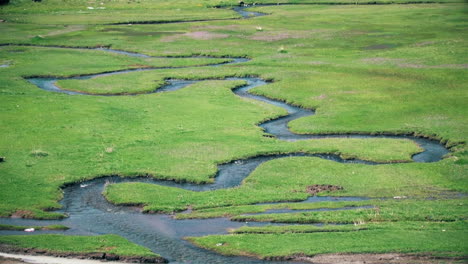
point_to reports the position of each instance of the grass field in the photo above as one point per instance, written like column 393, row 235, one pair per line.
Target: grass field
column 391, row 68
column 110, row 244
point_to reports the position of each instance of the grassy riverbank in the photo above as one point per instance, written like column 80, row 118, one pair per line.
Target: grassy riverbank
column 393, row 68
column 21, row 228
column 96, row 247
column 401, row 237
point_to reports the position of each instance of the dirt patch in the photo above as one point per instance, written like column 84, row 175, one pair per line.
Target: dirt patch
column 316, row 188
column 403, row 63
column 133, row 33
column 380, row 60
column 352, row 33
column 67, row 29
column 380, row 46
column 320, row 97
column 22, row 214
column 317, row 63
column 4, row 260
column 226, row 27
column 94, row 255
column 278, row 35
column 138, row 66
column 441, row 66
column 424, row 43
column 388, row 258
column 198, row 35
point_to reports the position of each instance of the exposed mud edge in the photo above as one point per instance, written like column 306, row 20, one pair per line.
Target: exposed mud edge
column 316, row 188
column 146, row 67
column 169, row 21
column 33, row 214
column 450, row 145
column 107, row 94
column 370, row 2
column 378, row 258
column 298, row 232
column 346, row 258
column 434, row 137
column 152, row 91
column 109, row 46
column 55, row 46
column 93, row 255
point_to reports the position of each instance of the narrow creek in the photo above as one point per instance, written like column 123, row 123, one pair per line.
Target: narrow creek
column 91, row 214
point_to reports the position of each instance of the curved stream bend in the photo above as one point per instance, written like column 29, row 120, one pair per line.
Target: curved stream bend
column 90, row 214
column 432, row 149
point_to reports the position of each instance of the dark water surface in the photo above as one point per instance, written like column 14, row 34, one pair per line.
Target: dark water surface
column 90, row 214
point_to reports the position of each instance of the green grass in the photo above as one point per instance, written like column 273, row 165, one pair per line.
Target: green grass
column 364, row 68
column 286, row 179
column 105, row 12
column 21, row 228
column 402, row 238
column 271, row 229
column 408, row 210
column 78, row 244
column 230, row 211
column 160, row 134
column 384, row 210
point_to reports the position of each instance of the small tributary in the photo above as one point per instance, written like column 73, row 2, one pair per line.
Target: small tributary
column 91, row 214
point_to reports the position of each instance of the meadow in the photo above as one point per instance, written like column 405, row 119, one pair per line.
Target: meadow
column 365, row 67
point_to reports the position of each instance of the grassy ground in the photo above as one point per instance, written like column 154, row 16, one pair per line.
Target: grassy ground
column 365, row 68
column 381, row 211
column 160, row 134
column 21, row 228
column 112, row 244
column 272, row 181
column 402, row 237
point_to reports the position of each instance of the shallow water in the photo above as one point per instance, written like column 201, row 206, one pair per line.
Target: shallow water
column 90, row 214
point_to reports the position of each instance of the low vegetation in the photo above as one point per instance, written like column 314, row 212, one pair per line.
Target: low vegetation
column 21, row 228
column 401, row 237
column 391, row 68
column 111, row 244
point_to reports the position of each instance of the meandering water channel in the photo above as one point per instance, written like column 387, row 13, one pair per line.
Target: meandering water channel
column 90, row 213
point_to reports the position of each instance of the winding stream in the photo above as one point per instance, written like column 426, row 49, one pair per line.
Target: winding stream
column 90, row 214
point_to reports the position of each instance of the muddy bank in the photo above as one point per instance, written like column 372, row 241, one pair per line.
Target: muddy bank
column 9, row 260
column 92, row 255
column 6, row 258
column 384, row 258
column 316, row 188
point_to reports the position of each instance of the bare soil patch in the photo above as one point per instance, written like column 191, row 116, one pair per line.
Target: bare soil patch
column 316, row 188
column 4, row 260
column 198, row 35
column 403, row 63
column 387, row 258
column 22, row 214
column 380, row 46
column 424, row 43
column 225, row 27
column 67, row 29
column 279, row 35
column 94, row 255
